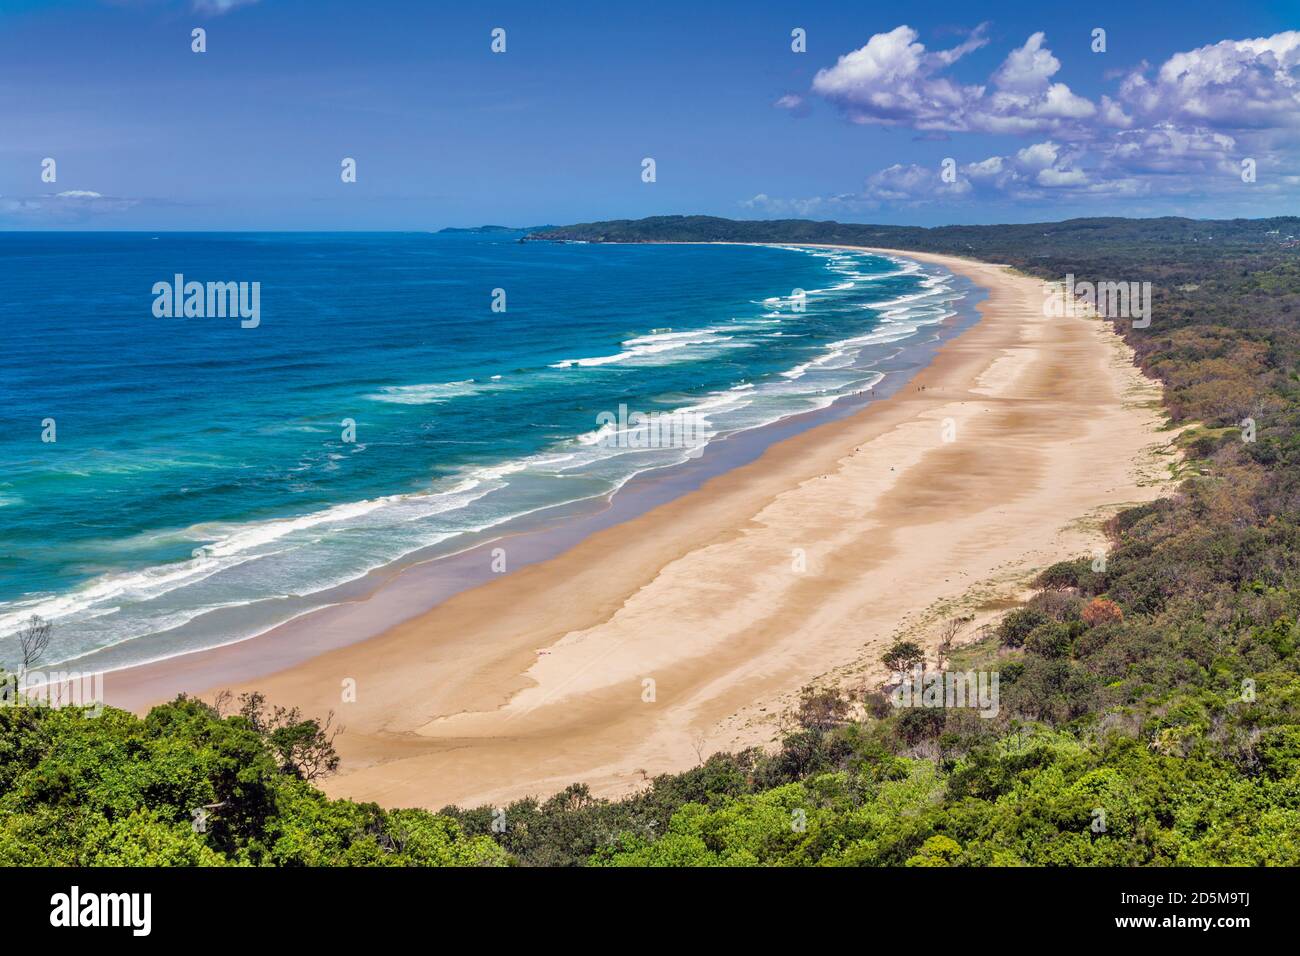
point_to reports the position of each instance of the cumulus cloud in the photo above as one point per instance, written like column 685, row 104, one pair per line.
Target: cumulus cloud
column 1166, row 148
column 1027, row 69
column 1113, row 115
column 1232, row 84
column 912, row 182
column 1183, row 126
column 895, row 81
column 1038, row 156
column 986, row 168
column 1025, row 174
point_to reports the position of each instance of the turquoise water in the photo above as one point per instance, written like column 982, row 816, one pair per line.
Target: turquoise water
column 200, row 465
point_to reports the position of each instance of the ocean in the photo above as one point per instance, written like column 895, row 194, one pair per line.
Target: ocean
column 175, row 482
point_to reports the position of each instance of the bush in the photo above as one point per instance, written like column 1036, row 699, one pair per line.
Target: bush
column 1050, row 640
column 1063, row 575
column 1057, row 606
column 1015, row 627
column 1101, row 611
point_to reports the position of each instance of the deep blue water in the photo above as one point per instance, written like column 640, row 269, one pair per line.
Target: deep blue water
column 200, row 465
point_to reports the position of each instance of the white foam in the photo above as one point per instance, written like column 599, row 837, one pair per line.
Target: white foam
column 434, row 393
column 696, row 343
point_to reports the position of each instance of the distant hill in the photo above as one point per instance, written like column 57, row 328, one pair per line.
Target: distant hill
column 1005, row 240
column 490, row 229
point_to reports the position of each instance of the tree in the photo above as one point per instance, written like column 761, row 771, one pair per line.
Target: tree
column 821, row 709
column 303, row 747
column 903, row 656
column 948, row 632
column 33, row 639
column 1016, row 626
column 938, row 850
column 306, row 747
column 698, row 743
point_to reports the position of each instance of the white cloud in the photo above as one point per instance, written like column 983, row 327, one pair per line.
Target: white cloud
column 801, row 208
column 1166, row 148
column 986, row 168
column 1061, row 177
column 1058, row 101
column 1232, row 84
column 69, row 206
column 1112, row 114
column 895, row 81
column 1038, row 156
column 892, row 81
column 912, row 182
column 1174, row 130
column 1027, row 69
column 218, row 7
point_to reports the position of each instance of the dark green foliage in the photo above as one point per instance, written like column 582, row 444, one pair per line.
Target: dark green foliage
column 1015, row 628
column 185, row 786
column 1049, row 640
column 902, row 656
column 1067, row 574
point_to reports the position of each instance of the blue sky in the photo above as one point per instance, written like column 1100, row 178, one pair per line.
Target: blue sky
column 147, row 134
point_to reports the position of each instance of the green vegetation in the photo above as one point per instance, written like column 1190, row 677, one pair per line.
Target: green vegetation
column 186, row 786
column 1149, row 704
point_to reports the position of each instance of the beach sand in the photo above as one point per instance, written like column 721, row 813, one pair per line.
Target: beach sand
column 690, row 629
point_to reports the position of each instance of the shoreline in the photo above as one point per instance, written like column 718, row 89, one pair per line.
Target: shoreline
column 389, row 595
column 796, row 566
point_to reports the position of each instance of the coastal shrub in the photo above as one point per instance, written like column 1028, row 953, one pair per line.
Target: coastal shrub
column 1050, row 639
column 916, row 724
column 185, row 786
column 903, row 656
column 937, row 851
column 1057, row 606
column 1101, row 611
column 876, row 704
column 821, row 708
column 1281, row 636
column 1063, row 575
column 1017, row 625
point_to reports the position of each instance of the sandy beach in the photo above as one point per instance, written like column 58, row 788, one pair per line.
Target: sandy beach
column 690, row 628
